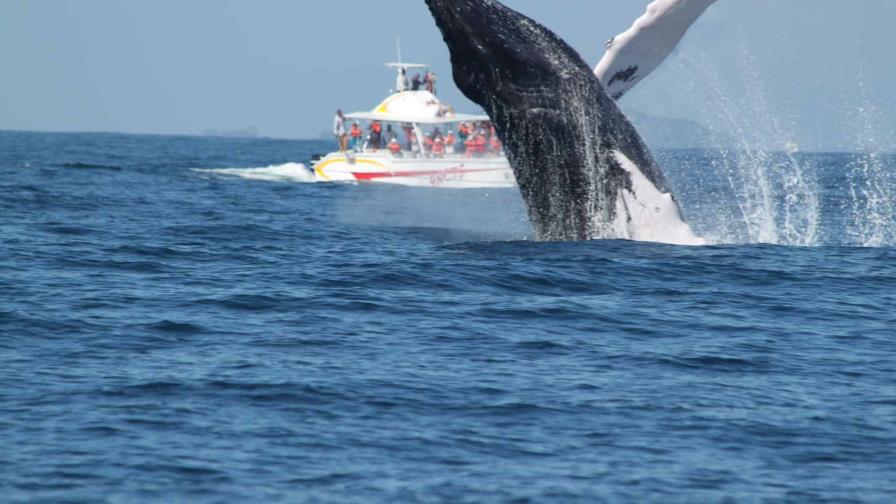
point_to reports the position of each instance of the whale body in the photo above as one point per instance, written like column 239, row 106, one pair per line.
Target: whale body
column 582, row 169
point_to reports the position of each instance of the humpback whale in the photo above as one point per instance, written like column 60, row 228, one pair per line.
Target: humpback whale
column 582, row 169
column 633, row 54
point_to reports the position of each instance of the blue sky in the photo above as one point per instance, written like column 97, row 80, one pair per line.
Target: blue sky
column 819, row 73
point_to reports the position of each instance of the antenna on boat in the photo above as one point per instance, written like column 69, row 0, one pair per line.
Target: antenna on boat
column 398, row 46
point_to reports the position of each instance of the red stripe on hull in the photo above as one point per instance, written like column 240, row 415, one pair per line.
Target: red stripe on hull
column 419, row 173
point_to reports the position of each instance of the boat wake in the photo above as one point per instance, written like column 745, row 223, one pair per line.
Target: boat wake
column 287, row 172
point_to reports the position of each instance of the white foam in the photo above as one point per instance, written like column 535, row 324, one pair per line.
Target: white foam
column 288, row 172
column 647, row 214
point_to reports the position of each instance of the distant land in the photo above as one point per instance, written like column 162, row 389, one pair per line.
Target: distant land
column 677, row 133
column 247, row 132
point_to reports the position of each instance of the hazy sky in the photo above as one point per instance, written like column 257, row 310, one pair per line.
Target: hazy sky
column 819, row 73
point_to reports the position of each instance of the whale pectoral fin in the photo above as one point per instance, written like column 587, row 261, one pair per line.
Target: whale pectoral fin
column 634, row 54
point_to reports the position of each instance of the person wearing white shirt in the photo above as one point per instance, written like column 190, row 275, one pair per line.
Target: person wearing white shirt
column 339, row 131
column 402, row 84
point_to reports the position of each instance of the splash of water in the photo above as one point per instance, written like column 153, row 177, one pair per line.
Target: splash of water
column 287, row 172
column 775, row 190
column 872, row 204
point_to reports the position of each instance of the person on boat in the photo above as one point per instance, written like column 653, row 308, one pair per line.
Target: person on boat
column 416, row 83
column 390, row 135
column 463, row 133
column 450, row 142
column 470, row 146
column 480, row 144
column 376, row 136
column 356, row 134
column 486, row 129
column 409, row 136
column 428, row 141
column 402, row 84
column 427, row 80
column 438, row 147
column 339, row 131
column 494, row 145
column 395, row 147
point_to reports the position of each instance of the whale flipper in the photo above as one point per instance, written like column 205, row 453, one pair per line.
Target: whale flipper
column 572, row 150
column 637, row 52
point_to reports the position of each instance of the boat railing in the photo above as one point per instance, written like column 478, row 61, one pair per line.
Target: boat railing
column 417, row 154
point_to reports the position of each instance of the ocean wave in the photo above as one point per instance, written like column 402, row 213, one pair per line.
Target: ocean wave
column 90, row 166
column 287, row 172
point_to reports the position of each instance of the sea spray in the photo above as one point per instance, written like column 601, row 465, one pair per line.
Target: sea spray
column 872, row 205
column 775, row 189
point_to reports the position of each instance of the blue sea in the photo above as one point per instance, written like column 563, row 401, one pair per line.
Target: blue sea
column 186, row 319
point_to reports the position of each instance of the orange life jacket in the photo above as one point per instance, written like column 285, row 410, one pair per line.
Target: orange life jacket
column 394, row 147
column 480, row 143
column 496, row 144
column 376, row 127
column 356, row 130
column 438, row 147
column 449, row 139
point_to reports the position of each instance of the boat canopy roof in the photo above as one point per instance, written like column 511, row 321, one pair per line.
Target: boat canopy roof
column 420, row 107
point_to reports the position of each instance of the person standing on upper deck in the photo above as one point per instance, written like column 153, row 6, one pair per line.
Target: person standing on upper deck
column 431, row 82
column 402, row 84
column 339, row 131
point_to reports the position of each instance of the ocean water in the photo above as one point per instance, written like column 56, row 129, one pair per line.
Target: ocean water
column 185, row 320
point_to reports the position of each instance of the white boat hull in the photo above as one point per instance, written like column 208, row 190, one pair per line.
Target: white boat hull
column 450, row 172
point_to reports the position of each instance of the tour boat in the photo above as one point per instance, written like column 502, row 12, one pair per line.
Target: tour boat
column 414, row 115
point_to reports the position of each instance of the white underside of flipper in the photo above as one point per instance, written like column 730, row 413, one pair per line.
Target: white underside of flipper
column 647, row 214
column 637, row 52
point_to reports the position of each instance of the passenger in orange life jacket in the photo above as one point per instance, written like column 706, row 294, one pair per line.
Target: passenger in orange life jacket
column 480, row 144
column 428, row 141
column 470, row 146
column 356, row 135
column 395, row 147
column 376, row 136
